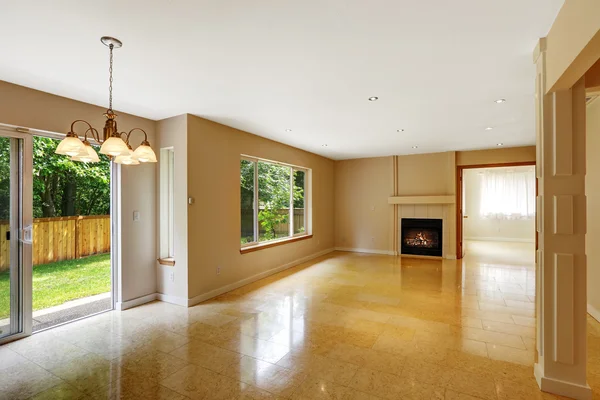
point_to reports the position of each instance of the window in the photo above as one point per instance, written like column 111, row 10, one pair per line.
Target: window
column 299, row 190
column 508, row 193
column 167, row 178
column 247, row 170
column 272, row 201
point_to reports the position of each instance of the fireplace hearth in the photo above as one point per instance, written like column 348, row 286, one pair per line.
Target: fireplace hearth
column 421, row 236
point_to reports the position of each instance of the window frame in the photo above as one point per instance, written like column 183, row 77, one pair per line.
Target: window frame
column 292, row 237
column 167, row 207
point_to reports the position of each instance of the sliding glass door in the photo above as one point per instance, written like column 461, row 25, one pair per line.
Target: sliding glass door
column 15, row 234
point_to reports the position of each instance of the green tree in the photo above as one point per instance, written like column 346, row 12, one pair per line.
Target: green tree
column 299, row 177
column 247, row 200
column 61, row 187
column 4, row 177
column 273, row 195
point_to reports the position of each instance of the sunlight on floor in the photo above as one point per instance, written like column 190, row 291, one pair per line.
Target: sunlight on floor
column 344, row 326
column 510, row 253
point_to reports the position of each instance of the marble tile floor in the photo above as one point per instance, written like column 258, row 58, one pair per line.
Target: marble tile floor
column 344, row 326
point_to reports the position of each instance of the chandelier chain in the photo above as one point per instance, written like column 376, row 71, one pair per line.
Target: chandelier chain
column 110, row 81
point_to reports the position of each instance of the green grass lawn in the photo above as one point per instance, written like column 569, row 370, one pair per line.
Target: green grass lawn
column 59, row 282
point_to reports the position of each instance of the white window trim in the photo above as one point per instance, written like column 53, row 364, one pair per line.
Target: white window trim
column 307, row 201
column 167, row 211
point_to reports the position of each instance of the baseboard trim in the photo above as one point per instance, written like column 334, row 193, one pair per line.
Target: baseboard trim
column 499, row 239
column 369, row 251
column 228, row 288
column 562, row 388
column 421, row 257
column 138, row 301
column 180, row 301
column 594, row 312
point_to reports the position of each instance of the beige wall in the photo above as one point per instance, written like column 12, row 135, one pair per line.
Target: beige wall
column 362, row 184
column 214, row 219
column 362, row 213
column 496, row 156
column 592, row 191
column 479, row 228
column 426, row 174
column 172, row 132
column 138, row 252
column 24, row 107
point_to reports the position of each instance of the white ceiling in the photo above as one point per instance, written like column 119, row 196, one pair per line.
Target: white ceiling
column 265, row 66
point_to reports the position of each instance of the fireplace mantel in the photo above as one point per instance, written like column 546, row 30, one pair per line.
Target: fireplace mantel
column 443, row 199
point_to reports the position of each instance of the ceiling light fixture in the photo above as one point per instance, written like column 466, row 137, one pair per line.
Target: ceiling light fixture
column 112, row 141
column 500, row 101
column 324, row 145
column 88, row 155
column 500, row 144
column 399, row 130
column 127, row 159
column 415, row 147
column 288, row 130
column 489, row 128
column 373, row 98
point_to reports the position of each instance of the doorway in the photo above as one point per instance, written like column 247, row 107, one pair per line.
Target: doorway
column 71, row 236
column 496, row 204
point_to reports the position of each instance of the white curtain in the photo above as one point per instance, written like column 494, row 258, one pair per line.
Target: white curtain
column 508, row 194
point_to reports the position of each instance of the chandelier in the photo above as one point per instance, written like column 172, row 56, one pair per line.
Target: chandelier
column 112, row 141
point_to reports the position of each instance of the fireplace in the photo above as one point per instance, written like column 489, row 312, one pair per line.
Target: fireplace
column 421, row 237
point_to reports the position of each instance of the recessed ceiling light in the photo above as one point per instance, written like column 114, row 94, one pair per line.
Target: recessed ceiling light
column 288, row 130
column 415, row 147
column 399, row 130
column 324, row 145
column 500, row 144
column 373, row 98
column 489, row 128
column 500, row 101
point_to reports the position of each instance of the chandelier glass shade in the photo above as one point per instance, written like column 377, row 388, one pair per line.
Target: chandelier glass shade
column 71, row 145
column 111, row 140
column 87, row 155
column 127, row 159
column 144, row 153
column 114, row 146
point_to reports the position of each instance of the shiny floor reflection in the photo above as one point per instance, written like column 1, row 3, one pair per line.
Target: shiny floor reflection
column 345, row 326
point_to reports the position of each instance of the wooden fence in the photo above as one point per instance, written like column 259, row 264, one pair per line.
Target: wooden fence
column 62, row 238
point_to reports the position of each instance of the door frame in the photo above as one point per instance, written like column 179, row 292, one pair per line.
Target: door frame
column 25, row 189
column 115, row 227
column 115, row 260
column 459, row 197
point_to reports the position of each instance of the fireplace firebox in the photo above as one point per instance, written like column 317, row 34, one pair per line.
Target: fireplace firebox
column 421, row 237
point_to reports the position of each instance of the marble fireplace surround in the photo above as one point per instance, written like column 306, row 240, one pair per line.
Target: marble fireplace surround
column 428, row 207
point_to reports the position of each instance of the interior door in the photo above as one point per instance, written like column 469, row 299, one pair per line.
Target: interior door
column 15, row 234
